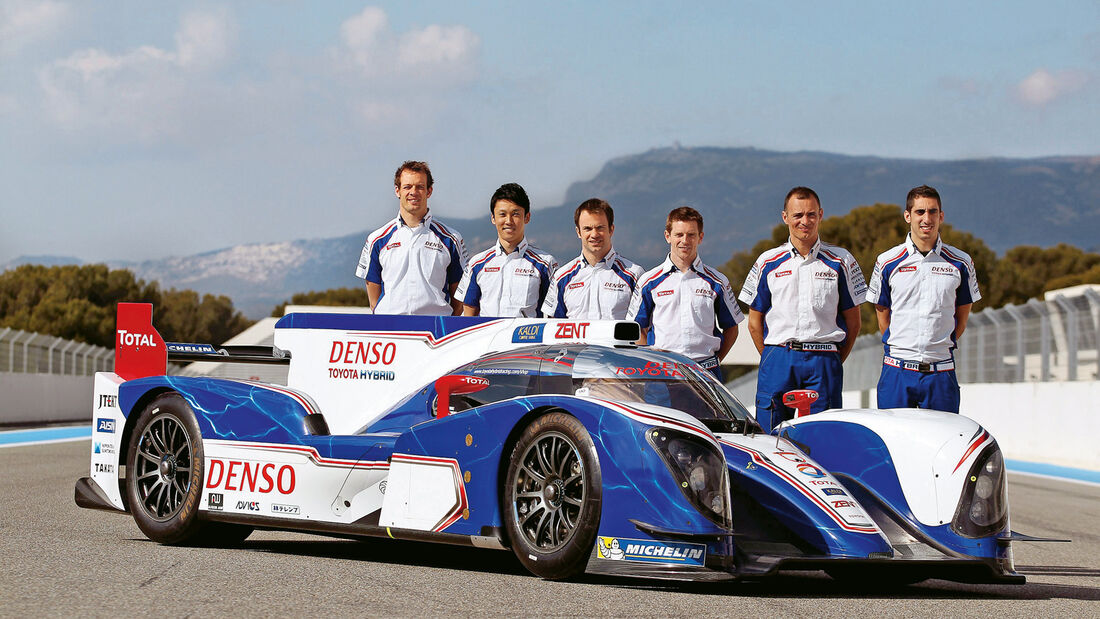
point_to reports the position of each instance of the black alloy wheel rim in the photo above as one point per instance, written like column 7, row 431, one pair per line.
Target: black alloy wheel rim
column 163, row 467
column 549, row 491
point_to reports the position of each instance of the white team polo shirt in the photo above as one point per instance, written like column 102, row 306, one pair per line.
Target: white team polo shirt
column 508, row 284
column 682, row 308
column 803, row 297
column 414, row 266
column 598, row 291
column 922, row 293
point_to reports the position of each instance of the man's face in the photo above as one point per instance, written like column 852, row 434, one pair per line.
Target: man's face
column 509, row 219
column 802, row 215
column 924, row 219
column 595, row 233
column 683, row 240
column 413, row 192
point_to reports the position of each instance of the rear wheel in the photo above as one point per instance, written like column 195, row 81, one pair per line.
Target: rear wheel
column 552, row 496
column 164, row 477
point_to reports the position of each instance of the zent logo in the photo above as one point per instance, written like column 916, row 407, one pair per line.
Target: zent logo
column 843, row 503
column 571, row 330
column 105, row 425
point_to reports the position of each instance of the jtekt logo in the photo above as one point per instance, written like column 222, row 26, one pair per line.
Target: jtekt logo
column 110, row 401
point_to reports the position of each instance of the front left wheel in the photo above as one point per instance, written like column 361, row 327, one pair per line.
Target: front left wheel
column 164, row 477
column 552, row 496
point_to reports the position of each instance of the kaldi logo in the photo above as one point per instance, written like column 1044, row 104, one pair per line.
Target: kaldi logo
column 571, row 330
column 362, row 352
column 137, row 340
column 251, row 476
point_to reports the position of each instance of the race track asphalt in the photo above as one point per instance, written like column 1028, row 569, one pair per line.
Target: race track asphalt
column 59, row 559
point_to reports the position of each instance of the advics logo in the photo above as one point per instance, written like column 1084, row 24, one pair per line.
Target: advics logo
column 252, row 506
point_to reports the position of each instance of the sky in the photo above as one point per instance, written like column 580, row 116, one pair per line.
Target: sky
column 134, row 130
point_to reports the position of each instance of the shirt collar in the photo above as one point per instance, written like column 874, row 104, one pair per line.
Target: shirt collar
column 605, row 262
column 520, row 248
column 814, row 249
column 423, row 222
column 668, row 265
column 912, row 247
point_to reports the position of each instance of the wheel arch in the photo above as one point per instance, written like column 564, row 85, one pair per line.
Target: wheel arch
column 132, row 416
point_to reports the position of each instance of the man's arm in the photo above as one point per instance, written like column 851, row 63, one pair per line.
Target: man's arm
column 469, row 310
column 851, row 330
column 729, row 336
column 456, row 304
column 962, row 313
column 883, row 315
column 642, row 341
column 756, row 329
column 374, row 292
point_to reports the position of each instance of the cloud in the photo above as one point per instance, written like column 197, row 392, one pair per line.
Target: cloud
column 443, row 55
column 24, row 22
column 1043, row 87
column 144, row 93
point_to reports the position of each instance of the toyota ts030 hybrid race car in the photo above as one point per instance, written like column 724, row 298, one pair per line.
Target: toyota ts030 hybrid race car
column 558, row 439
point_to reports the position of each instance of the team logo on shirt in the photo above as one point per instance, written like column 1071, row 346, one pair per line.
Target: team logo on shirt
column 527, row 272
column 943, row 270
column 661, row 293
column 779, row 274
column 393, row 245
column 907, row 269
column 704, row 292
column 575, row 285
column 614, row 286
column 825, row 275
column 437, row 246
column 490, row 269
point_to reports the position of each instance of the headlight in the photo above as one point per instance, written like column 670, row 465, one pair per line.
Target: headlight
column 698, row 469
column 983, row 507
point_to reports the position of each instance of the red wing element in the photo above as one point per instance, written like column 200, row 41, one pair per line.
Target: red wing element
column 800, row 400
column 139, row 349
column 458, row 385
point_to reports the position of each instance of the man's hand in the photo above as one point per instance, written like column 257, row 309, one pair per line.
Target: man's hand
column 729, row 336
column 851, row 331
column 756, row 329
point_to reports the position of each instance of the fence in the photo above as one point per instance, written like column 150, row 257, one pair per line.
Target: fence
column 34, row 353
column 1039, row 341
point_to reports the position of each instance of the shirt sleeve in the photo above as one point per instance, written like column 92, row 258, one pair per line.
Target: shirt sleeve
column 878, row 290
column 459, row 257
column 369, row 267
column 968, row 290
column 546, row 280
column 752, row 282
column 855, row 284
column 726, row 309
column 641, row 307
column 468, row 291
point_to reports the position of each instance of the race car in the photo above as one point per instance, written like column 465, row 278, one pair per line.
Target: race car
column 560, row 440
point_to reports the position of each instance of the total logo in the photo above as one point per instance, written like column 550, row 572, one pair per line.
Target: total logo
column 252, row 506
column 125, row 338
column 393, row 245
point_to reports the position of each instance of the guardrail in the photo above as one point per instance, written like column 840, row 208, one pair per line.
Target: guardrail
column 33, row 353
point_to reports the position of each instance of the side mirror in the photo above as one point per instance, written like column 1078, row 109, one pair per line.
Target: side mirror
column 458, row 385
column 800, row 400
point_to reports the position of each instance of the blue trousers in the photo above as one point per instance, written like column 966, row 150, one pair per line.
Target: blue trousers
column 783, row 369
column 898, row 388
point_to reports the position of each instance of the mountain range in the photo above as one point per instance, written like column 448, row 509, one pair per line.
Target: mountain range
column 739, row 191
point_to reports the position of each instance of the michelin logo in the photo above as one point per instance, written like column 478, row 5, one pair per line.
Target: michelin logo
column 650, row 551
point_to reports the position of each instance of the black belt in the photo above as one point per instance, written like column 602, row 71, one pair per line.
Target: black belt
column 811, row 346
column 919, row 366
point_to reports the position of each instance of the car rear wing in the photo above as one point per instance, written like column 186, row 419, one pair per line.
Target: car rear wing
column 178, row 351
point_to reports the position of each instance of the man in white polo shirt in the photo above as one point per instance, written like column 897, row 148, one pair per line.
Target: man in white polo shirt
column 803, row 299
column 413, row 263
column 922, row 290
column 598, row 284
column 512, row 277
column 689, row 306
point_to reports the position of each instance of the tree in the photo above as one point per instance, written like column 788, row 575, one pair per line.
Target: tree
column 339, row 297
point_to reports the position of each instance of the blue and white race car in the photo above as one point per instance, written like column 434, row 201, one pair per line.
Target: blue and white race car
column 558, row 439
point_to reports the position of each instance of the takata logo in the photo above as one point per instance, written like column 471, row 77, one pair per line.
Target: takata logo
column 251, row 476
column 137, row 340
column 571, row 330
column 362, row 353
column 528, row 333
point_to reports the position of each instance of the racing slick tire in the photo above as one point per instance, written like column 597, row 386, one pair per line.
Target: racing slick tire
column 552, row 496
column 164, row 477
